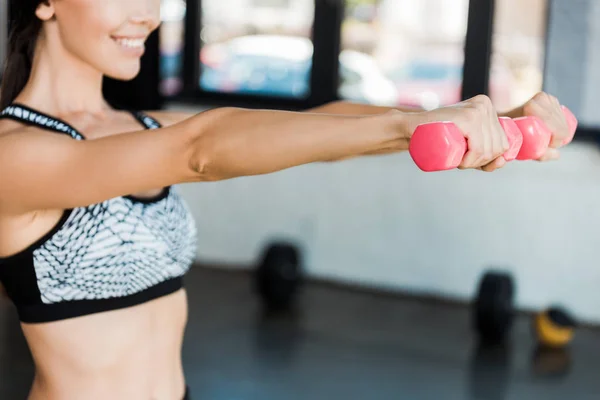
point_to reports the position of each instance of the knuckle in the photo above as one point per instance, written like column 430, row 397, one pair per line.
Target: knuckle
column 483, row 100
column 529, row 107
column 541, row 96
column 479, row 98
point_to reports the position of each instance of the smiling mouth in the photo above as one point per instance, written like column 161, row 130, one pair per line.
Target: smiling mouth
column 130, row 43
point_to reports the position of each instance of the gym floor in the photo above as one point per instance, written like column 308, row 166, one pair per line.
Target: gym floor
column 345, row 344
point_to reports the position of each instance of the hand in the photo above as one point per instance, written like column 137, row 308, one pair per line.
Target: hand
column 478, row 121
column 548, row 109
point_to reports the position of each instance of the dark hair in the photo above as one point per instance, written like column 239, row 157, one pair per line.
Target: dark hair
column 25, row 27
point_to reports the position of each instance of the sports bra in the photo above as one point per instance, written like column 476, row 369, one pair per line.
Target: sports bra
column 115, row 254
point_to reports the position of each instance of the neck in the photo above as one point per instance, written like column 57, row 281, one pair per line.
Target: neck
column 62, row 84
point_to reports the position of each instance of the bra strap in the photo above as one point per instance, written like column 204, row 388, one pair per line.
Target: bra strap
column 26, row 115
column 146, row 120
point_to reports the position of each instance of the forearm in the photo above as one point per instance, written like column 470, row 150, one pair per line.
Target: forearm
column 237, row 142
column 349, row 108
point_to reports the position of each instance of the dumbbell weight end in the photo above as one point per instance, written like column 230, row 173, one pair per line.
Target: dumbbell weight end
column 437, row 146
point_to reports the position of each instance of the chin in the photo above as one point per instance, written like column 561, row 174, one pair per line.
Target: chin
column 123, row 74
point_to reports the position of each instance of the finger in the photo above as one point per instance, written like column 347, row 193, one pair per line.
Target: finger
column 556, row 122
column 471, row 159
column 555, row 101
column 550, row 155
column 494, row 165
column 475, row 150
column 559, row 129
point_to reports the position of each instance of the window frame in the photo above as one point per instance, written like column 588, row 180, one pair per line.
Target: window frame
column 329, row 16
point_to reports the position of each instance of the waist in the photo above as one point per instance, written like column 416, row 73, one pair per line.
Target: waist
column 167, row 387
column 128, row 353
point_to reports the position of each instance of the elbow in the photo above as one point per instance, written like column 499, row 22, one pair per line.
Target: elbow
column 205, row 168
column 205, row 137
column 199, row 168
column 201, row 158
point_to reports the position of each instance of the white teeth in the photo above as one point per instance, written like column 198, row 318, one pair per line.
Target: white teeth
column 130, row 43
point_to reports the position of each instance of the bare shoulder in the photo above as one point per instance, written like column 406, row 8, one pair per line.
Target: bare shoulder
column 168, row 118
column 8, row 127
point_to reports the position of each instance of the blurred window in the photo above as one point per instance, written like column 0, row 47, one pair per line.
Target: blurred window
column 407, row 52
column 257, row 47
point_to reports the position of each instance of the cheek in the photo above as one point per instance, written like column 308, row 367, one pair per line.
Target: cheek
column 90, row 44
column 88, row 38
column 88, row 24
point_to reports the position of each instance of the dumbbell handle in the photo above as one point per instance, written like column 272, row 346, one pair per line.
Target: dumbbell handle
column 439, row 146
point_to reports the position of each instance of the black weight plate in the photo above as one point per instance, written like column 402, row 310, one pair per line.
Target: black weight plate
column 494, row 306
column 279, row 275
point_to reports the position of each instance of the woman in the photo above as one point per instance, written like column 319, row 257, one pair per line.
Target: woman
column 94, row 240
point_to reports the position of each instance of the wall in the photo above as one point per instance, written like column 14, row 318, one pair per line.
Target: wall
column 381, row 222
column 573, row 56
column 592, row 72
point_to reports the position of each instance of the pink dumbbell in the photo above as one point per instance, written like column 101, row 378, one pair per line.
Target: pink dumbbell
column 536, row 136
column 440, row 146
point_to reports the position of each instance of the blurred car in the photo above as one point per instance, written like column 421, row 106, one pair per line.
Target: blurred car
column 427, row 84
column 258, row 65
column 430, row 84
column 273, row 65
column 361, row 80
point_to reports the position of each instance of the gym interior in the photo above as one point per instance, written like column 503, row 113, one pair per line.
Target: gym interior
column 369, row 278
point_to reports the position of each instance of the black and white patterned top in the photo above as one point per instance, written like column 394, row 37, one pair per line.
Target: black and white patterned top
column 118, row 253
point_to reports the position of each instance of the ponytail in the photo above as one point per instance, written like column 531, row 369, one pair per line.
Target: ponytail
column 24, row 30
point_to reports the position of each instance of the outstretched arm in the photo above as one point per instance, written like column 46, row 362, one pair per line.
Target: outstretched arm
column 41, row 170
column 541, row 105
column 334, row 108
